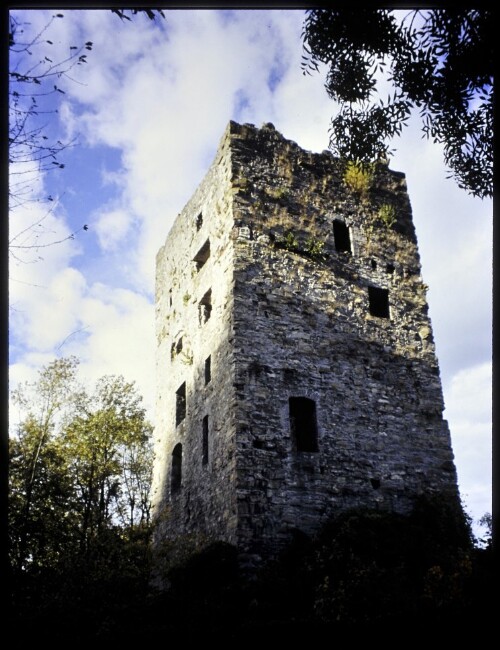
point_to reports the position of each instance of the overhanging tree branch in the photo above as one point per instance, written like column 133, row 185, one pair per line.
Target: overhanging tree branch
column 439, row 63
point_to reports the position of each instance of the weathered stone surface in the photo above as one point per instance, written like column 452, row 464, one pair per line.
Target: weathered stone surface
column 251, row 276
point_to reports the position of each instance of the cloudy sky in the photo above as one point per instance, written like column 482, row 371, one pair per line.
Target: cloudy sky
column 147, row 112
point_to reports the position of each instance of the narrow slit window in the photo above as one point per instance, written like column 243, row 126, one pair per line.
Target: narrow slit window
column 303, row 423
column 176, row 478
column 208, row 370
column 199, row 221
column 205, row 307
column 202, row 255
column 180, row 404
column 204, row 458
column 341, row 236
column 379, row 302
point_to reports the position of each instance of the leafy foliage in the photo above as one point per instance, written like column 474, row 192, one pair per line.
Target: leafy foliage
column 365, row 568
column 387, row 215
column 314, row 248
column 358, row 177
column 439, row 62
column 80, row 467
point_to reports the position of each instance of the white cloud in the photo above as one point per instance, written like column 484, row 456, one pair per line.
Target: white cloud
column 112, row 227
column 119, row 337
column 47, row 314
column 468, row 410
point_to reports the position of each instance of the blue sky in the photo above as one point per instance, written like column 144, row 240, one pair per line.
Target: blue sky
column 148, row 110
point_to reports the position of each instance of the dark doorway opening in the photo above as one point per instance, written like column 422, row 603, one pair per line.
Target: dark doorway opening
column 342, row 237
column 303, row 423
column 379, row 302
column 204, row 459
column 176, row 468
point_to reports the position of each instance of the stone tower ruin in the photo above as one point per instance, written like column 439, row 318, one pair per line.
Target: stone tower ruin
column 296, row 369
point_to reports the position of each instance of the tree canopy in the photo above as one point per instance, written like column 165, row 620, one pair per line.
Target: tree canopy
column 80, row 467
column 438, row 62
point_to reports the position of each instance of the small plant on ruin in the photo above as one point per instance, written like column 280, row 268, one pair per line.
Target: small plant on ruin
column 382, row 221
column 358, row 177
column 288, row 242
column 278, row 192
column 314, row 248
column 185, row 298
column 387, row 215
column 242, row 183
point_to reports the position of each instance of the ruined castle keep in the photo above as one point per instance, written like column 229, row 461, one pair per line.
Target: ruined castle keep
column 296, row 369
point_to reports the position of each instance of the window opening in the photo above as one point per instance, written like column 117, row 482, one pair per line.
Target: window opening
column 390, row 268
column 303, row 423
column 204, row 459
column 205, row 307
column 180, row 404
column 202, row 255
column 199, row 221
column 178, row 347
column 341, row 236
column 379, row 302
column 208, row 370
column 176, row 478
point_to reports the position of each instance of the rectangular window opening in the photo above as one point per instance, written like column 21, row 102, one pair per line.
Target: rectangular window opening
column 379, row 302
column 208, row 370
column 199, row 221
column 205, row 440
column 202, row 255
column 176, row 477
column 180, row 404
column 341, row 236
column 303, row 423
column 205, row 307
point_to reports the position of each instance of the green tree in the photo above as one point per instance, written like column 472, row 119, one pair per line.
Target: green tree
column 109, row 451
column 439, row 62
column 39, row 492
column 80, row 467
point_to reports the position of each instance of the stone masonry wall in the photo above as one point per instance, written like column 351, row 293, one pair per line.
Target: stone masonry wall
column 303, row 327
column 191, row 272
column 292, row 315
